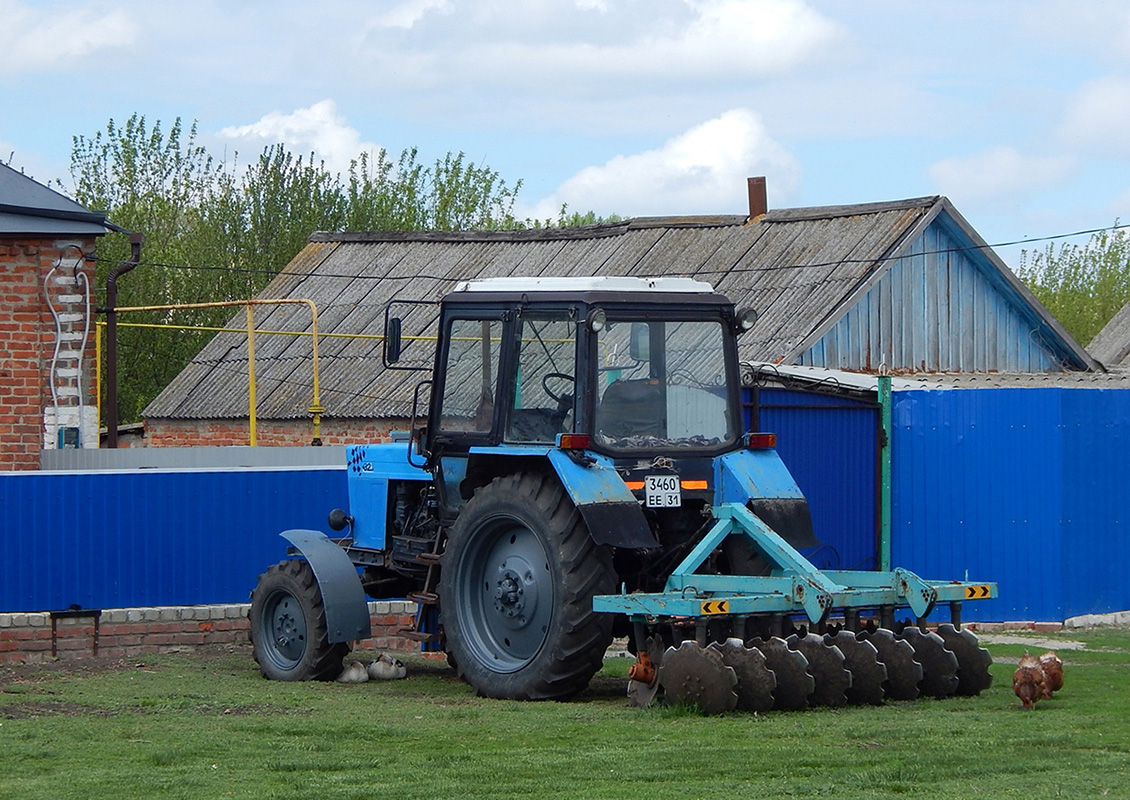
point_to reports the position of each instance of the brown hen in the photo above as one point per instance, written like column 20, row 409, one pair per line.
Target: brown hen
column 1052, row 666
column 1029, row 681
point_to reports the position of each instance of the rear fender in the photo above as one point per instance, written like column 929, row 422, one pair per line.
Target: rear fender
column 347, row 610
column 759, row 480
column 609, row 508
column 611, row 512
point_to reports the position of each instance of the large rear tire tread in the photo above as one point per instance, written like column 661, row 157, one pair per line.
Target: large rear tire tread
column 561, row 663
column 290, row 589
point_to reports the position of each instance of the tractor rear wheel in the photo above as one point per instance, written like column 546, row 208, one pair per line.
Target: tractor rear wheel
column 288, row 626
column 519, row 574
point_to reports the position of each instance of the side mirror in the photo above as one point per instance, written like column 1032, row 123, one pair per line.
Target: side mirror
column 392, row 340
column 639, row 342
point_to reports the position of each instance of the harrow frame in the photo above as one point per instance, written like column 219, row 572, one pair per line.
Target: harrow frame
column 795, row 585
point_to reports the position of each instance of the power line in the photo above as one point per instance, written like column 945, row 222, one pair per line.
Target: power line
column 735, row 269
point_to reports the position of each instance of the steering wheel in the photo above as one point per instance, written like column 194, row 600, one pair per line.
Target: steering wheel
column 560, row 376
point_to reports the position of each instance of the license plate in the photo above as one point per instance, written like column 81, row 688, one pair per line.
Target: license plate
column 662, row 491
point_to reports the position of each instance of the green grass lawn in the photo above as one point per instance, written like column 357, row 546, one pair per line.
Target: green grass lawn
column 207, row 726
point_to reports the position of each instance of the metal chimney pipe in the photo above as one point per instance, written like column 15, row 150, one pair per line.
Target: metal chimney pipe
column 758, row 204
column 135, row 242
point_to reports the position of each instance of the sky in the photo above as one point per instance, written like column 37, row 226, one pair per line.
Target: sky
column 1019, row 112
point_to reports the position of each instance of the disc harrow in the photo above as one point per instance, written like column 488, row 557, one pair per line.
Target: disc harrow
column 939, row 664
column 795, row 683
column 973, row 676
column 904, row 674
column 819, row 663
column 756, row 681
column 837, row 669
column 826, row 665
column 693, row 675
column 861, row 659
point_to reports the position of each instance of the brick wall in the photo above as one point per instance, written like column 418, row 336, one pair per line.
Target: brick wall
column 269, row 433
column 27, row 341
column 130, row 632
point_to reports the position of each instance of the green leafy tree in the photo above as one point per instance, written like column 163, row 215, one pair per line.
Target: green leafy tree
column 1084, row 286
column 216, row 232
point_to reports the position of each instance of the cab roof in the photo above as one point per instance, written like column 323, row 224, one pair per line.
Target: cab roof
column 586, row 284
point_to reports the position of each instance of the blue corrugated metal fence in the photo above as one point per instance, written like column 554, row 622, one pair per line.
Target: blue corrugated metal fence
column 151, row 537
column 1019, row 486
column 1022, row 486
column 829, row 444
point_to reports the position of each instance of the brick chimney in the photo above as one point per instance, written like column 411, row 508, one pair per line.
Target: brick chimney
column 758, row 204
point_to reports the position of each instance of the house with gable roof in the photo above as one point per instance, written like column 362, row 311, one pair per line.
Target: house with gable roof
column 903, row 287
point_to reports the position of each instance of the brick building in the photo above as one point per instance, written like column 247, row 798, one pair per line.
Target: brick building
column 46, row 321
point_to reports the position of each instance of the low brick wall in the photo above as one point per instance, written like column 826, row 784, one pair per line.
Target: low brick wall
column 129, row 632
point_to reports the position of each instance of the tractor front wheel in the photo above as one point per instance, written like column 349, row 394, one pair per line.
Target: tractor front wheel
column 519, row 574
column 288, row 626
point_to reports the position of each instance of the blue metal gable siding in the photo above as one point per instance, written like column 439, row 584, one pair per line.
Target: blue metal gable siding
column 1020, row 486
column 829, row 445
column 147, row 537
column 939, row 308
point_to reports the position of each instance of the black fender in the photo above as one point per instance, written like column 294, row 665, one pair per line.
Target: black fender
column 347, row 608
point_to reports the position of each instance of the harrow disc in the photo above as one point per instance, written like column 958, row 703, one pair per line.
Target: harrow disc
column 826, row 663
column 973, row 661
column 867, row 672
column 790, row 668
column 904, row 674
column 939, row 664
column 755, row 680
column 697, row 676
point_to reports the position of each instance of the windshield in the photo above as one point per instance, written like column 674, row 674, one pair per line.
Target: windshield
column 662, row 385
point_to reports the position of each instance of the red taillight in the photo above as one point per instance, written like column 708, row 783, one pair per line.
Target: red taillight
column 762, row 441
column 574, row 441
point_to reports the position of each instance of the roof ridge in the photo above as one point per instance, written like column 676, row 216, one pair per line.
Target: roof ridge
column 567, row 233
column 849, row 210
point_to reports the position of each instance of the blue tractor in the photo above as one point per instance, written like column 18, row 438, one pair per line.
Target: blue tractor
column 584, row 473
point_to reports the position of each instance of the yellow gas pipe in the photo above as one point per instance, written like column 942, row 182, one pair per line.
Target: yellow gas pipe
column 316, row 409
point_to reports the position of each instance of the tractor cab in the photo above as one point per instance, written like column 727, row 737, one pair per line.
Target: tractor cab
column 635, row 370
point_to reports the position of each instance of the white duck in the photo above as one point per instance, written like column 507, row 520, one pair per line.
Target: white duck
column 354, row 672
column 386, row 668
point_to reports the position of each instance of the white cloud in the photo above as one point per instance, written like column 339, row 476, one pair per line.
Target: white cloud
column 702, row 171
column 33, row 39
column 319, row 129
column 1099, row 116
column 764, row 35
column 1001, row 173
column 406, row 14
column 555, row 44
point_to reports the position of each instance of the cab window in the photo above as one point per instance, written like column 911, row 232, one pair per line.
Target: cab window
column 470, row 375
column 544, row 394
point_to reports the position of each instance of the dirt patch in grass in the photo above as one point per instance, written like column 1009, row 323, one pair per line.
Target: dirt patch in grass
column 15, row 674
column 50, row 709
column 1030, row 641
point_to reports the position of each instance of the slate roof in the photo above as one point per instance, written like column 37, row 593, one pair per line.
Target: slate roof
column 28, row 207
column 833, row 381
column 799, row 268
column 1112, row 344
